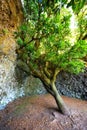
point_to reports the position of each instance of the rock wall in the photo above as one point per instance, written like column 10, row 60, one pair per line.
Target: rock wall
column 10, row 18
column 31, row 85
column 73, row 85
column 10, row 14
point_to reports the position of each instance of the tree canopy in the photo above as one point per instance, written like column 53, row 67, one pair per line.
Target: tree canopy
column 47, row 44
column 45, row 37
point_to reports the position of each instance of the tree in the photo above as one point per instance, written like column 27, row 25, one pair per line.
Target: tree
column 45, row 46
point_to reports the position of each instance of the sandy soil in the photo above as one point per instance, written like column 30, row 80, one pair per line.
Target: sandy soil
column 41, row 113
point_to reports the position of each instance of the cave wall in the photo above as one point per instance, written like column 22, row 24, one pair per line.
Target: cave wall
column 73, row 85
column 11, row 17
column 10, row 14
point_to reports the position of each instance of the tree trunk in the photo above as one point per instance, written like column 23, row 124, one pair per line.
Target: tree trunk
column 60, row 103
column 51, row 88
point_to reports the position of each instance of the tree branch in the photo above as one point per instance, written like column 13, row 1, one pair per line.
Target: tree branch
column 48, row 74
column 56, row 72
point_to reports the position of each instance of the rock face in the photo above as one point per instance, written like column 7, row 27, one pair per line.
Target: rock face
column 32, row 86
column 10, row 14
column 73, row 85
column 10, row 17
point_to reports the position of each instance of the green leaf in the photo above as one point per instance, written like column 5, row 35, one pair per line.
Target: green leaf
column 75, row 66
column 20, row 41
column 77, row 5
column 79, row 50
column 30, row 47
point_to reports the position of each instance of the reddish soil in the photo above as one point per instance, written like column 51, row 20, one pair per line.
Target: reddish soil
column 41, row 113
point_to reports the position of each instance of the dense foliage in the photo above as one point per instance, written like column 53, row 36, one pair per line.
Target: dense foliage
column 46, row 42
column 45, row 37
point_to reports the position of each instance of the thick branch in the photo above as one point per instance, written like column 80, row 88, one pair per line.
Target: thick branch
column 45, row 78
column 48, row 74
column 55, row 74
column 34, row 72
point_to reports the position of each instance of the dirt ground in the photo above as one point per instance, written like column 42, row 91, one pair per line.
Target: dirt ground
column 41, row 113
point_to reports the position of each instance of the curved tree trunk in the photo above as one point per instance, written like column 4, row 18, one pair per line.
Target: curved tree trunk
column 51, row 88
column 60, row 103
